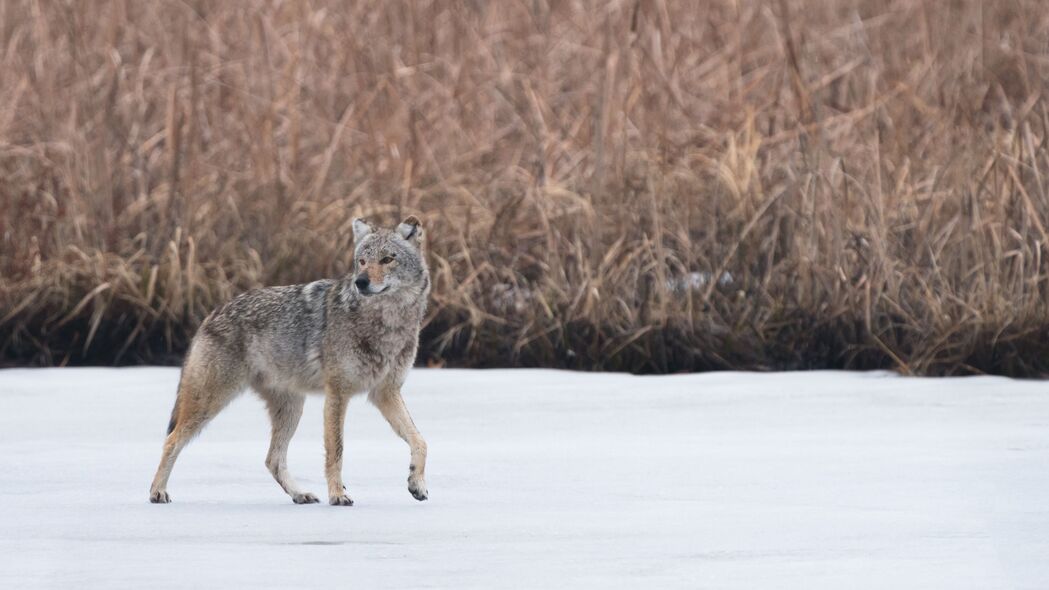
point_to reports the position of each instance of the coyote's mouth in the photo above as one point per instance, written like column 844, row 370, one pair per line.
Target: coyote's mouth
column 368, row 292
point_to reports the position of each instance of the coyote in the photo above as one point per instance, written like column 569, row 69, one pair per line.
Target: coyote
column 344, row 337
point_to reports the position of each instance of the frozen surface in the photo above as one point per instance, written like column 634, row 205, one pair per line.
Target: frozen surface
column 541, row 479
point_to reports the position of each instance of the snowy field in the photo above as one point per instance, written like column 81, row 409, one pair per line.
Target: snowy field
column 541, row 479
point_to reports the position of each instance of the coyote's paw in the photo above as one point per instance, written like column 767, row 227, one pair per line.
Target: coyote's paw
column 417, row 489
column 159, row 497
column 342, row 500
column 304, row 498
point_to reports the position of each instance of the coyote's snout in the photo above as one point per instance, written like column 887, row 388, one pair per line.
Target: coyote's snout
column 342, row 337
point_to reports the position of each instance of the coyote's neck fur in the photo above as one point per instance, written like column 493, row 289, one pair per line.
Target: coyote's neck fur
column 380, row 330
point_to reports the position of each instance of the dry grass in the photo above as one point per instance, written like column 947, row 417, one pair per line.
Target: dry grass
column 871, row 174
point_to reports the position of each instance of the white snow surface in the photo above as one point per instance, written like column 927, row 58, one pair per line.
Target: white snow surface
column 540, row 479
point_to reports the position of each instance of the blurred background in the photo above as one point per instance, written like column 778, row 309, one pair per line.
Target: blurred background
column 637, row 185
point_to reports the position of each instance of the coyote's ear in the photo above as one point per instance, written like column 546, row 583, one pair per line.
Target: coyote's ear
column 411, row 230
column 361, row 229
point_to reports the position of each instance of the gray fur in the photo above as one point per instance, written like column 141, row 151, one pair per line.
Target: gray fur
column 332, row 336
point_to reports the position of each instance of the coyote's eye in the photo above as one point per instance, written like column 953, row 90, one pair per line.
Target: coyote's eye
column 386, row 260
column 361, row 262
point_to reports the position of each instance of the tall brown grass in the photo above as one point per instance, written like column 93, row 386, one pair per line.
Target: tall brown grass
column 867, row 178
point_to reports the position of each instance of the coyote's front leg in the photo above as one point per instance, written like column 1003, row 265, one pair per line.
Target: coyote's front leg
column 335, row 401
column 387, row 397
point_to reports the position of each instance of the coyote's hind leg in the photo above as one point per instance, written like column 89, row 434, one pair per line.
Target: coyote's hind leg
column 285, row 411
column 202, row 394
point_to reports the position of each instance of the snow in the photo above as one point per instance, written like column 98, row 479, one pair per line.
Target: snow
column 695, row 281
column 541, row 479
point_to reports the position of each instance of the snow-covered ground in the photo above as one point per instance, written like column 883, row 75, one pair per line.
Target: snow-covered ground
column 541, row 479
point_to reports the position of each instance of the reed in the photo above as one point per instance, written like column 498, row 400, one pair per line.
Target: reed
column 649, row 185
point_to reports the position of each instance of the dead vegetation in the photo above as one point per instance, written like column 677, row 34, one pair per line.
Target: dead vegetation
column 640, row 185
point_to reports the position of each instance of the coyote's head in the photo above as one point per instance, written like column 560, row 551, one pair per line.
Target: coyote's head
column 387, row 260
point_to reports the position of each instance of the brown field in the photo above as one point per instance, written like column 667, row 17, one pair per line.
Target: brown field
column 868, row 177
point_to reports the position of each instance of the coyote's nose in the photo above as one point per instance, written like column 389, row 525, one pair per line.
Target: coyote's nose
column 362, row 283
